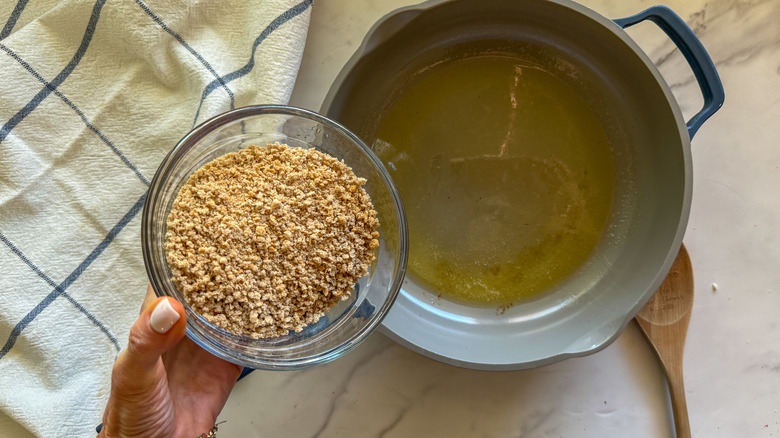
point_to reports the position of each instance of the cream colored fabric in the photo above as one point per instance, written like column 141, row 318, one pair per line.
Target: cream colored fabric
column 93, row 94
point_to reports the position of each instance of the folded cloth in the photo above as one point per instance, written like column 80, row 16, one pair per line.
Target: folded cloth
column 93, row 94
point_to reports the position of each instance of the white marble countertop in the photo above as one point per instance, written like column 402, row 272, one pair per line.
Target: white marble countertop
column 732, row 356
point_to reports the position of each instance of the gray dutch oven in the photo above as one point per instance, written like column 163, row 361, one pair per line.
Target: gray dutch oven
column 651, row 144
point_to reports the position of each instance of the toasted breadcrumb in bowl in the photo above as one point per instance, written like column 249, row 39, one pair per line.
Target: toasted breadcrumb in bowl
column 281, row 233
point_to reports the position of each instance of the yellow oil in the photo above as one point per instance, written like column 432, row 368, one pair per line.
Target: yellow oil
column 506, row 174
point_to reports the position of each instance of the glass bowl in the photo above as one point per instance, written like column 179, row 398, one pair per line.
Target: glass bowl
column 346, row 324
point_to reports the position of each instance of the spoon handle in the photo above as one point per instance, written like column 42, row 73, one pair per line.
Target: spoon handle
column 682, row 426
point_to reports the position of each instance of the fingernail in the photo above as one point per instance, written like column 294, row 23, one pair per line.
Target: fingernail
column 163, row 317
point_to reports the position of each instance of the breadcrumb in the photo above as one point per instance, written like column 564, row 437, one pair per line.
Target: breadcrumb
column 267, row 239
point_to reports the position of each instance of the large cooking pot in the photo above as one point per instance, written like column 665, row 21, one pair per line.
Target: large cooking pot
column 651, row 144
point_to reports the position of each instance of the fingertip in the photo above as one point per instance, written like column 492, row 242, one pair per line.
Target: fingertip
column 166, row 313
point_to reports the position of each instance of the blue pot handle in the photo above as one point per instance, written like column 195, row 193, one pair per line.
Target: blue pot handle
column 694, row 52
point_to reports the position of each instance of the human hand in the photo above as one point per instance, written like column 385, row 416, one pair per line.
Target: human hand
column 163, row 384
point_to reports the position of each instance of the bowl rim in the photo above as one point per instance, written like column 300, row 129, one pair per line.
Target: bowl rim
column 162, row 174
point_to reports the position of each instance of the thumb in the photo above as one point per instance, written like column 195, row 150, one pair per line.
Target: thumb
column 161, row 325
column 139, row 392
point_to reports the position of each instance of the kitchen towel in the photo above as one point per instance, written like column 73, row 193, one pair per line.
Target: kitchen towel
column 93, row 95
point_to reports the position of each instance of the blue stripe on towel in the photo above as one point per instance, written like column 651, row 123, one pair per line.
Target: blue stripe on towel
column 189, row 48
column 78, row 112
column 278, row 21
column 62, row 287
column 94, row 320
column 86, row 39
column 15, row 14
column 51, row 283
column 26, row 261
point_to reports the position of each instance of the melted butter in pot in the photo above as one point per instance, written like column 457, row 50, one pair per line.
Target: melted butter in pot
column 506, row 174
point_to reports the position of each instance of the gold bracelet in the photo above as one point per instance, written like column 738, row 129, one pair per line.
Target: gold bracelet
column 212, row 433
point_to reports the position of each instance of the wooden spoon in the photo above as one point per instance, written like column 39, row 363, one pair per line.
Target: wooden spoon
column 664, row 321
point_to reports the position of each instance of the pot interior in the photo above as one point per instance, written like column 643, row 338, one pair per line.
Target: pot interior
column 650, row 147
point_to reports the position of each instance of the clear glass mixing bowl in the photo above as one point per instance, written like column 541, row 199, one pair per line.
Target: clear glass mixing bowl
column 346, row 324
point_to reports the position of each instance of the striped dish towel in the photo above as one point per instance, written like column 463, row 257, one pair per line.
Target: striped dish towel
column 93, row 94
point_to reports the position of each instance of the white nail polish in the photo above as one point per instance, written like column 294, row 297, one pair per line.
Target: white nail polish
column 163, row 317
